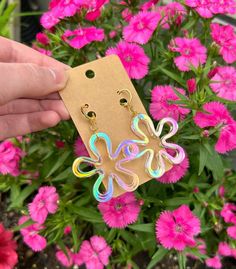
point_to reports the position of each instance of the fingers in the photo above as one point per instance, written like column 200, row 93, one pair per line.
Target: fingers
column 12, row 51
column 52, row 96
column 23, row 106
column 21, row 124
column 29, row 81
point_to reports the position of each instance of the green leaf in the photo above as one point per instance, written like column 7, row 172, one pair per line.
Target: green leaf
column 174, row 76
column 212, row 190
column 129, row 238
column 15, row 192
column 182, row 260
column 147, row 228
column 24, row 225
column 88, row 214
column 215, row 164
column 83, row 200
column 63, row 175
column 58, row 163
column 189, row 24
column 157, row 257
column 191, row 137
column 176, row 201
column 111, row 235
column 180, row 95
column 18, row 201
column 202, row 158
column 2, row 6
column 75, row 237
column 195, row 252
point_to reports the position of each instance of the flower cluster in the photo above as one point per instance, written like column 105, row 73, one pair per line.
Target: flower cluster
column 208, row 8
column 8, row 255
column 10, row 157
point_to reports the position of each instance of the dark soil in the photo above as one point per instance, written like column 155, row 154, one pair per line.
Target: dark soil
column 46, row 260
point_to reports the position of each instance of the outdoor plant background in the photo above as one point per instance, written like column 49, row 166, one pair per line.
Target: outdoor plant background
column 182, row 64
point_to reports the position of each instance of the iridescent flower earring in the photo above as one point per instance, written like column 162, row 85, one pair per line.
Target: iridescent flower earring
column 98, row 161
column 160, row 155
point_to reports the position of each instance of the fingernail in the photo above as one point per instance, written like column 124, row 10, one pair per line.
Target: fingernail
column 60, row 76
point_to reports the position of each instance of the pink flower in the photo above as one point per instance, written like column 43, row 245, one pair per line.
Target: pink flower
column 59, row 10
column 93, row 8
column 226, row 141
column 231, row 231
column 113, row 34
column 201, row 6
column 66, row 261
column 45, row 202
column 132, row 57
column 50, row 19
column 228, row 213
column 214, row 262
column 196, row 190
column 177, row 229
column 43, row 51
column 8, row 255
column 83, row 36
column 67, row 230
column 212, row 72
column 31, row 235
column 126, row 14
column 224, row 249
column 42, row 38
column 10, row 156
column 217, row 115
column 172, row 14
column 59, row 144
column 225, row 37
column 233, row 250
column 221, row 191
column 208, row 8
column 94, row 253
column 148, row 5
column 223, row 83
column 175, row 173
column 67, row 8
column 192, row 52
column 161, row 105
column 141, row 27
column 205, row 133
column 80, row 149
column 223, row 6
column 192, row 86
column 53, row 3
column 121, row 211
column 201, row 246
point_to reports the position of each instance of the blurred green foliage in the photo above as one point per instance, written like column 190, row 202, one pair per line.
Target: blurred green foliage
column 6, row 11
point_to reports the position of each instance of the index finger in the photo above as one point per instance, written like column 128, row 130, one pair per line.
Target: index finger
column 12, row 51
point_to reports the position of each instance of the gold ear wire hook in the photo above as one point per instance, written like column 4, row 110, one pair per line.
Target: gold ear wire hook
column 90, row 116
column 125, row 103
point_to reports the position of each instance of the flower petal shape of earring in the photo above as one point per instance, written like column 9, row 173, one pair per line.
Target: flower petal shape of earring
column 98, row 161
column 161, row 154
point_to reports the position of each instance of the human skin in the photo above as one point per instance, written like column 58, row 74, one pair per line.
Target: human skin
column 29, row 85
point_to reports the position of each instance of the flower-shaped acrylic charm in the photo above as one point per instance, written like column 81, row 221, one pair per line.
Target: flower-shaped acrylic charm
column 161, row 154
column 124, row 147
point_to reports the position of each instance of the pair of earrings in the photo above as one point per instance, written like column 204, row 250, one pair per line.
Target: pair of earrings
column 131, row 149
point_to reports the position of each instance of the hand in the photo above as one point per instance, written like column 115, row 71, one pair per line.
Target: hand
column 29, row 82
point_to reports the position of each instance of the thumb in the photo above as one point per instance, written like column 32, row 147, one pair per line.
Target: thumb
column 29, row 81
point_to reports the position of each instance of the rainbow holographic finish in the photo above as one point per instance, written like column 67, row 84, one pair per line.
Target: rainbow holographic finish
column 160, row 155
column 125, row 148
